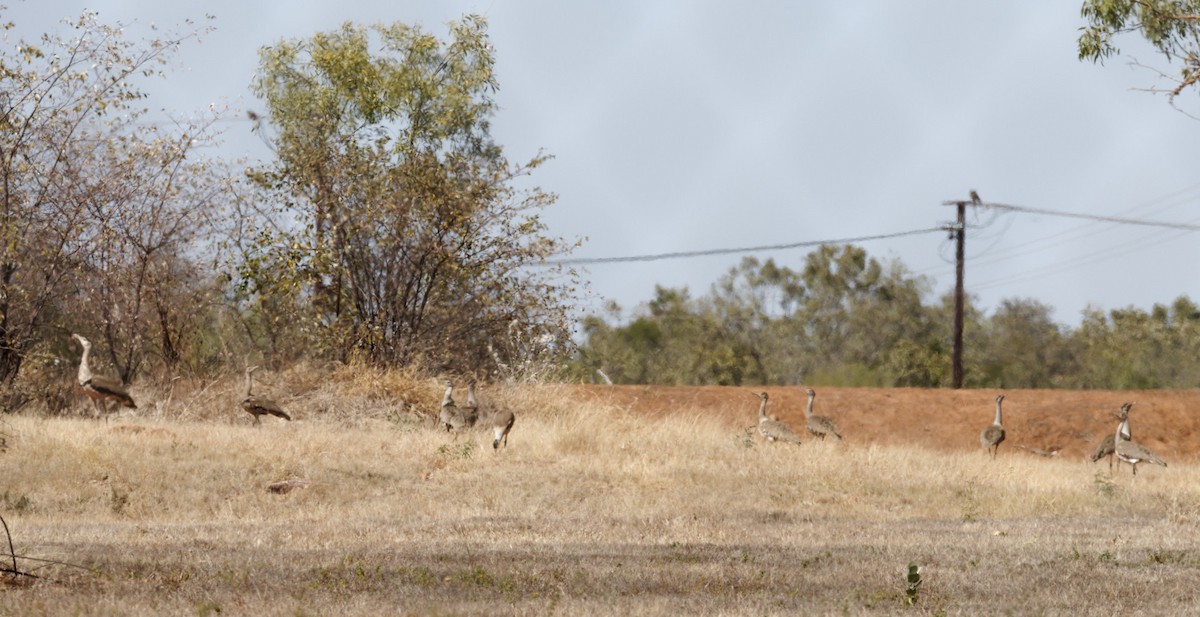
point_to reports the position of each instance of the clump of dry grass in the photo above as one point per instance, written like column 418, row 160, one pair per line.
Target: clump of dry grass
column 589, row 510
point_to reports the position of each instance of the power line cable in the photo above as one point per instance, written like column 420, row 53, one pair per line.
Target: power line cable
column 580, row 261
column 1093, row 217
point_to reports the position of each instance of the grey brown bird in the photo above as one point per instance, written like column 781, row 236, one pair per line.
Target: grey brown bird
column 102, row 390
column 771, row 429
column 991, row 437
column 820, row 426
column 1133, row 452
column 1107, row 446
column 470, row 411
column 450, row 417
column 258, row 406
column 498, row 417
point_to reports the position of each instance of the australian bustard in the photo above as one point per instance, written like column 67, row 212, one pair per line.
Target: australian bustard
column 771, row 429
column 258, row 406
column 1107, row 445
column 470, row 411
column 450, row 417
column 499, row 418
column 820, row 426
column 100, row 389
column 991, row 436
column 1133, row 452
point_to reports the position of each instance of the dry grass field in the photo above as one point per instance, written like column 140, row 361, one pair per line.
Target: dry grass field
column 607, row 501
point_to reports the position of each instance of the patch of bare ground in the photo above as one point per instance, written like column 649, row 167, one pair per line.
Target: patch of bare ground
column 607, row 501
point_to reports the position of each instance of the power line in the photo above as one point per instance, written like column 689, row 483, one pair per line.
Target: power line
column 1093, row 217
column 580, row 261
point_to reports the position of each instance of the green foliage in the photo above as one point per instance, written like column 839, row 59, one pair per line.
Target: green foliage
column 414, row 239
column 850, row 321
column 1171, row 26
column 832, row 323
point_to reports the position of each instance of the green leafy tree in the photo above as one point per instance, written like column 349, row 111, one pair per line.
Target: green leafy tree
column 1021, row 346
column 1172, row 27
column 1134, row 349
column 401, row 224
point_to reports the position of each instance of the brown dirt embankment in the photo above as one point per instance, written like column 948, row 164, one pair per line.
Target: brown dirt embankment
column 1166, row 421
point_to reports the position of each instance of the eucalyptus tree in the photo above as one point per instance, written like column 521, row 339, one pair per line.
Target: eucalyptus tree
column 399, row 222
column 1171, row 27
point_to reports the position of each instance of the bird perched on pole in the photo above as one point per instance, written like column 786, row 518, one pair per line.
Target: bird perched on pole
column 102, row 390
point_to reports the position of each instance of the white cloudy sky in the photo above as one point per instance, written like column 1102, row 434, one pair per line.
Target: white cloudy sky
column 682, row 126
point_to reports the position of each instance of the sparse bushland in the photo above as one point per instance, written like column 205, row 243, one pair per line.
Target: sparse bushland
column 592, row 509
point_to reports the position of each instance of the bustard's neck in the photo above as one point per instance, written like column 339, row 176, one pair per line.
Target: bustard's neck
column 249, row 383
column 997, row 420
column 471, row 402
column 808, row 410
column 448, row 398
column 85, row 372
column 1123, row 430
column 762, row 410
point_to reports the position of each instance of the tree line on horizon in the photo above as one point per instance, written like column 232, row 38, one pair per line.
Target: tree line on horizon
column 845, row 319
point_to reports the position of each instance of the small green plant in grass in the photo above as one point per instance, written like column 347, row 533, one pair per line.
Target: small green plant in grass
column 912, row 584
column 971, row 505
column 118, row 500
column 1105, row 485
column 463, row 451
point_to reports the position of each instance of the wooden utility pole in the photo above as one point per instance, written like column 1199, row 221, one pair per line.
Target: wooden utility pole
column 959, row 232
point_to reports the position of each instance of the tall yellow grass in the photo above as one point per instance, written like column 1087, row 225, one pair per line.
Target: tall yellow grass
column 589, row 510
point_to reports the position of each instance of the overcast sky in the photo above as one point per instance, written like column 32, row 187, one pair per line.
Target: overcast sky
column 689, row 126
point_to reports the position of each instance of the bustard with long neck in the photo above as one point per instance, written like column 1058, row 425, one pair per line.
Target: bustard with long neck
column 450, row 417
column 1132, row 452
column 471, row 409
column 772, row 429
column 819, row 426
column 102, row 390
column 1107, row 445
column 258, row 406
column 991, row 437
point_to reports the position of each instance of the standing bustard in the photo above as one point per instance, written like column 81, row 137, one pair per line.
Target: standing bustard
column 450, row 417
column 1108, row 444
column 1132, row 452
column 499, row 418
column 773, row 429
column 820, row 426
column 991, row 436
column 100, row 389
column 470, row 411
column 258, row 406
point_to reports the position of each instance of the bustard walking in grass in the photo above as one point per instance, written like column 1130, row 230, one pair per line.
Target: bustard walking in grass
column 991, row 436
column 773, row 429
column 258, row 406
column 820, row 426
column 1108, row 444
column 499, row 418
column 1133, row 452
column 100, row 389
